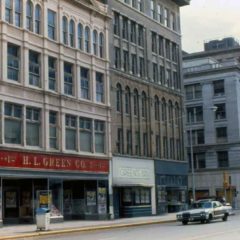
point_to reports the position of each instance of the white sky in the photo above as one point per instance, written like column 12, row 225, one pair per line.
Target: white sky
column 205, row 20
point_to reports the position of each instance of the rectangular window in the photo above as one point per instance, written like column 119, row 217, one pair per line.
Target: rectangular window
column 117, row 58
column 140, row 36
column 34, row 69
column 140, row 6
column 162, row 75
column 193, row 91
column 178, row 157
column 124, row 28
column 70, row 132
column 125, row 61
column 52, row 71
column 116, row 24
column 137, row 143
column 99, row 136
column 173, row 24
column 99, row 87
column 145, row 144
column 220, row 113
column 221, row 134
column 133, row 36
column 51, row 24
column 68, row 78
column 53, row 130
column 172, row 148
column 159, row 13
column 222, row 158
column 194, row 114
column 155, row 72
column 218, row 88
column 197, row 137
column 165, row 147
column 129, row 142
column 134, row 63
column 13, row 62
column 120, row 140
column 166, row 17
column 154, row 42
column 33, row 119
column 168, row 49
column 152, row 8
column 85, row 83
column 8, row 11
column 160, row 46
column 158, row 146
column 199, row 161
column 85, row 134
column 12, row 123
column 141, row 67
column 18, row 11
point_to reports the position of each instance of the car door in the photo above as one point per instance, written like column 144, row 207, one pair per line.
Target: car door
column 218, row 210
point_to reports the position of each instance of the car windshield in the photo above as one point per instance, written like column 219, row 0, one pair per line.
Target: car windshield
column 202, row 205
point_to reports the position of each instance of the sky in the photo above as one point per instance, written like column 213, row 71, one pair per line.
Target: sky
column 205, row 20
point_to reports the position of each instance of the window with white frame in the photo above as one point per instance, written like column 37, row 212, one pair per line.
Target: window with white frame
column 140, row 5
column 68, row 78
column 70, row 132
column 152, row 8
column 159, row 13
column 85, row 125
column 99, row 127
column 72, row 33
column 18, row 13
column 99, row 87
column 29, row 15
column 101, row 45
column 94, row 42
column 166, row 17
column 65, row 30
column 13, row 62
column 52, row 72
column 37, row 19
column 13, row 123
column 34, row 69
column 33, row 125
column 87, row 39
column 80, row 36
column 53, row 143
column 85, row 83
column 8, row 11
column 51, row 24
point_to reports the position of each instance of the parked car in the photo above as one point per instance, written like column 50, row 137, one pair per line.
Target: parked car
column 204, row 211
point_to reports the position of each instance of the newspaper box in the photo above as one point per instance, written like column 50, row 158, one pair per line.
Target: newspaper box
column 43, row 218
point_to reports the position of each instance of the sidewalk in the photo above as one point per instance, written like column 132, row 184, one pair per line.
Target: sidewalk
column 24, row 231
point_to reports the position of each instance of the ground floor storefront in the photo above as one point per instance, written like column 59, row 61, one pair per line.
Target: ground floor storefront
column 171, row 186
column 133, row 187
column 71, row 187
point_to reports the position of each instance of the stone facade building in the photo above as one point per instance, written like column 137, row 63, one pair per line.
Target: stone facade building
column 54, row 109
column 149, row 170
column 211, row 80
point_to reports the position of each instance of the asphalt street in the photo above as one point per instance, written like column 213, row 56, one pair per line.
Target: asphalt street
column 216, row 230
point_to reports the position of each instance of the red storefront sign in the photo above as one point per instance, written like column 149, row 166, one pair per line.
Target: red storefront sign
column 52, row 162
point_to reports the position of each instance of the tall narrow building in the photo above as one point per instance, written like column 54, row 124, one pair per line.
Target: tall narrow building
column 149, row 171
column 54, row 109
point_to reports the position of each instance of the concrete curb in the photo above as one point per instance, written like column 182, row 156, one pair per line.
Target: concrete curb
column 84, row 229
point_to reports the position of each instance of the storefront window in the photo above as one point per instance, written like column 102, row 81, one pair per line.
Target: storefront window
column 102, row 197
column 1, row 199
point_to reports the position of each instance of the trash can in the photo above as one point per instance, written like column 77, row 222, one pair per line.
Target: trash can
column 43, row 218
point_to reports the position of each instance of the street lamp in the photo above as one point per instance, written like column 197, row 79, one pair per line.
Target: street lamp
column 214, row 109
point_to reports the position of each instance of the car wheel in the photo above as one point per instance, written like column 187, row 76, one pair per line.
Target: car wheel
column 225, row 218
column 184, row 222
column 209, row 219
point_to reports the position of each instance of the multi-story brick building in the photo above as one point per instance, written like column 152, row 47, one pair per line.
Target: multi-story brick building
column 54, row 109
column 211, row 80
column 149, row 170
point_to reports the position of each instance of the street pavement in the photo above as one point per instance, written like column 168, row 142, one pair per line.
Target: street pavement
column 130, row 228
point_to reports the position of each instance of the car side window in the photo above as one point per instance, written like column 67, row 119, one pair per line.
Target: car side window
column 214, row 205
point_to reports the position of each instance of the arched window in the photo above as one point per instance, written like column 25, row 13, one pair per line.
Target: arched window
column 127, row 101
column 71, row 33
column 156, row 108
column 94, row 41
column 119, row 98
column 87, row 39
column 18, row 13
column 29, row 15
column 136, row 103
column 38, row 19
column 80, row 36
column 144, row 105
column 164, row 110
column 65, row 29
column 101, row 45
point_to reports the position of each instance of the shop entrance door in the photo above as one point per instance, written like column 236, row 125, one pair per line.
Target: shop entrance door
column 11, row 204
